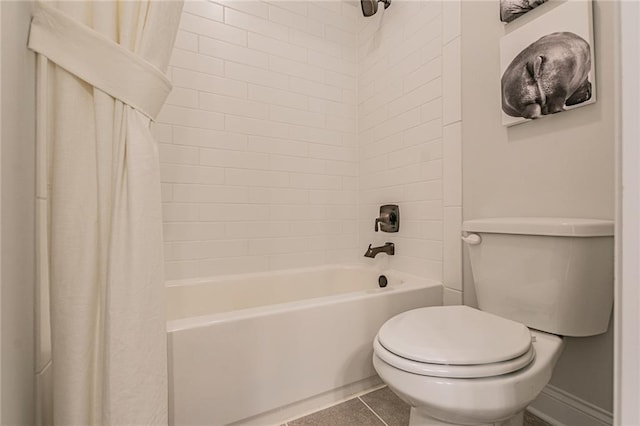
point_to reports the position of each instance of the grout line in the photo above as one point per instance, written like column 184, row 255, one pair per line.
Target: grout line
column 374, row 413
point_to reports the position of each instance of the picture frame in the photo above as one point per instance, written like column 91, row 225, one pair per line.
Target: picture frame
column 548, row 65
column 512, row 9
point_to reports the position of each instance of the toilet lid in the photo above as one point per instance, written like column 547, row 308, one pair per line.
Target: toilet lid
column 454, row 335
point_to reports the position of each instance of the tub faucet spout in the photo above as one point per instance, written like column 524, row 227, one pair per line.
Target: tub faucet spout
column 388, row 248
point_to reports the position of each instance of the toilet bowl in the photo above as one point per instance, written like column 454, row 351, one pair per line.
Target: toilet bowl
column 536, row 279
column 468, row 381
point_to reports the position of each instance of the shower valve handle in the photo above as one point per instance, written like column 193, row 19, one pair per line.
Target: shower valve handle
column 389, row 219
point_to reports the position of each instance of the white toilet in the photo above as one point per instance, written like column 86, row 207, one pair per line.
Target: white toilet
column 536, row 279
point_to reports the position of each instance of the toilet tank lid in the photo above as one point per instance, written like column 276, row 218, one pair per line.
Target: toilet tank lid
column 553, row 226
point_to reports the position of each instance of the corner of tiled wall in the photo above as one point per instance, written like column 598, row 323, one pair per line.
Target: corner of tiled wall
column 400, row 133
column 452, row 153
column 290, row 123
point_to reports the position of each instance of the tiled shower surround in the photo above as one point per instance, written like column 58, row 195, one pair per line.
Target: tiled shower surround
column 291, row 122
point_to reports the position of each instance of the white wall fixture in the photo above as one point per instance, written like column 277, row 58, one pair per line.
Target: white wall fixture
column 254, row 344
column 548, row 65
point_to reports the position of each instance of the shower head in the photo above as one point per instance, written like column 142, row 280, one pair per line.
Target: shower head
column 370, row 7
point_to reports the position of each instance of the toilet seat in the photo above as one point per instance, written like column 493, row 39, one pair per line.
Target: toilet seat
column 454, row 371
column 454, row 341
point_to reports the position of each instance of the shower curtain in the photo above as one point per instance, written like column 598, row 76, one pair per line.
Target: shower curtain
column 105, row 84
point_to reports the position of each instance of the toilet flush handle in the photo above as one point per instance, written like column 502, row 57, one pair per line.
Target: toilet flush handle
column 472, row 239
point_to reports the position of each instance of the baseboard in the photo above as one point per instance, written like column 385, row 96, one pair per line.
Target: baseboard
column 560, row 408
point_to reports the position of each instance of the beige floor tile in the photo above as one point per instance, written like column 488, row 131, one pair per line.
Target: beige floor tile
column 533, row 420
column 384, row 403
column 349, row 413
column 387, row 405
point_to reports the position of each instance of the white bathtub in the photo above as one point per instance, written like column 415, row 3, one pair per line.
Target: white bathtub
column 242, row 346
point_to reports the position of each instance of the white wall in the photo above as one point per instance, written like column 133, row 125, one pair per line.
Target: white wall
column 627, row 343
column 258, row 139
column 18, row 195
column 561, row 165
column 278, row 107
column 409, row 138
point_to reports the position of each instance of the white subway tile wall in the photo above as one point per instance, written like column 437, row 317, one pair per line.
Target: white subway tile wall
column 258, row 140
column 400, row 116
column 291, row 122
column 452, row 152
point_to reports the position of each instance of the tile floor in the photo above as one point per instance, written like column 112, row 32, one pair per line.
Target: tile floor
column 377, row 408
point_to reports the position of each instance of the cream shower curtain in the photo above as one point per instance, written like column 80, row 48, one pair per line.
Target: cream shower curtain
column 105, row 83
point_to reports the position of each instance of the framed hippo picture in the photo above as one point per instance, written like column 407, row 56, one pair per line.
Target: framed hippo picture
column 548, row 65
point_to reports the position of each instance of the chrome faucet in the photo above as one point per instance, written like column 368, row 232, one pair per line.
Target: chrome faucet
column 388, row 248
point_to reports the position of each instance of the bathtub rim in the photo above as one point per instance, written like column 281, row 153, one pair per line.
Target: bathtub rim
column 407, row 283
column 279, row 272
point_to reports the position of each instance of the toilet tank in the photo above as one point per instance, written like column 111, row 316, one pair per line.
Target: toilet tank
column 551, row 274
